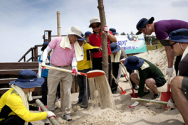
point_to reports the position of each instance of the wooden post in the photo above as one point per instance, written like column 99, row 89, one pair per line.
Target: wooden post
column 103, row 38
column 58, row 24
column 47, row 35
column 36, row 53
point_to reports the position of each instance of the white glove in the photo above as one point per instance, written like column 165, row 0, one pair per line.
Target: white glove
column 117, row 81
column 50, row 114
column 169, row 71
column 74, row 71
column 171, row 103
column 105, row 29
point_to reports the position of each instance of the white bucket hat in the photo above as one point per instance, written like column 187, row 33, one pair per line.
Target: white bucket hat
column 94, row 20
column 74, row 30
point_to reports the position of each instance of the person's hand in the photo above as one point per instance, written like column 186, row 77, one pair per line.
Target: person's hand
column 105, row 29
column 117, row 81
column 74, row 71
column 171, row 103
column 42, row 65
column 169, row 71
column 50, row 114
column 100, row 49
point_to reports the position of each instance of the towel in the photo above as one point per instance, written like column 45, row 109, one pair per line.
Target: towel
column 144, row 66
column 65, row 43
column 23, row 96
column 116, row 58
column 79, row 51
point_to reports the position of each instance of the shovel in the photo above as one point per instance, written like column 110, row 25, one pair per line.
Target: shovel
column 149, row 101
column 123, row 92
column 133, row 94
column 165, row 96
column 91, row 74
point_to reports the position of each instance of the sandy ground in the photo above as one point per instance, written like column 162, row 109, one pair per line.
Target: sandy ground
column 143, row 114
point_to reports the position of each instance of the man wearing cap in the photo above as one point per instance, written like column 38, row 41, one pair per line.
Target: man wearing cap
column 162, row 30
column 178, row 42
column 117, row 53
column 147, row 73
column 113, row 30
column 84, row 66
column 63, row 56
column 95, row 40
column 14, row 107
column 87, row 34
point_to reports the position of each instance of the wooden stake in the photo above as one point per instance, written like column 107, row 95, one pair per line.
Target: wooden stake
column 58, row 24
column 103, row 38
column 149, row 101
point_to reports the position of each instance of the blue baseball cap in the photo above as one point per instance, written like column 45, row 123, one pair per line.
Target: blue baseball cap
column 113, row 31
column 82, row 39
column 114, row 47
column 28, row 79
column 88, row 33
column 141, row 23
column 133, row 63
column 180, row 35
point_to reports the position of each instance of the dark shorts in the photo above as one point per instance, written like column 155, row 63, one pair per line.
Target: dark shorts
column 184, row 87
column 159, row 81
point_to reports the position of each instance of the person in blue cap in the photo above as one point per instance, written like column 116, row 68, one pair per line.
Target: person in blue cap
column 87, row 34
column 14, row 107
column 84, row 66
column 117, row 53
column 178, row 42
column 162, row 30
column 147, row 74
column 113, row 30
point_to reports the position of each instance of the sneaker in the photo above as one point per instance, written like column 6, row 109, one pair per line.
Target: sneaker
column 135, row 87
column 67, row 117
column 79, row 102
column 84, row 106
column 156, row 96
column 146, row 92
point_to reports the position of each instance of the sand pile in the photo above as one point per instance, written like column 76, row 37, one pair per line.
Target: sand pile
column 143, row 114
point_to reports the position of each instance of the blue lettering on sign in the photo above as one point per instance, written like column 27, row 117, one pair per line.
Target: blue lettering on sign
column 121, row 42
column 133, row 47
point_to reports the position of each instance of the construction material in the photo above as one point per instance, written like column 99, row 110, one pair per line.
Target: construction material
column 165, row 96
column 52, row 119
column 133, row 94
column 122, row 91
column 149, row 101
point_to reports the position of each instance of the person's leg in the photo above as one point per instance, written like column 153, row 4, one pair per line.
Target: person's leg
column 179, row 87
column 44, row 91
column 13, row 120
column 81, row 86
column 97, row 63
column 151, row 84
column 53, row 81
column 66, row 81
column 115, row 73
column 109, row 69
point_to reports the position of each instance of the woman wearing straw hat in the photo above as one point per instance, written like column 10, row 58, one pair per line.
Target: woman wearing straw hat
column 14, row 107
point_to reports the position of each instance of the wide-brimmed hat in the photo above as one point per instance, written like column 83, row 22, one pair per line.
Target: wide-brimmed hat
column 88, row 33
column 114, row 47
column 74, row 30
column 28, row 79
column 133, row 63
column 44, row 45
column 94, row 20
column 141, row 23
column 82, row 39
column 180, row 35
column 113, row 31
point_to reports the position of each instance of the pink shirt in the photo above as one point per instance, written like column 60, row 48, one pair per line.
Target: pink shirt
column 60, row 56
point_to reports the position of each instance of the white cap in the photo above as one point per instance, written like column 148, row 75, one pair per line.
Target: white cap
column 94, row 20
column 74, row 30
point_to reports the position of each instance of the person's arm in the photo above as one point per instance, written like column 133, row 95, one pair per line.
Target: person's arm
column 143, row 76
column 74, row 66
column 112, row 38
column 45, row 54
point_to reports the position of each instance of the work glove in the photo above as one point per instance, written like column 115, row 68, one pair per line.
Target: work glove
column 50, row 114
column 105, row 29
column 117, row 81
column 43, row 67
column 169, row 71
column 74, row 71
column 171, row 103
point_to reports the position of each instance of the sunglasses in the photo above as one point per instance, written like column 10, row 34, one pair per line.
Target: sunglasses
column 75, row 36
column 171, row 45
column 95, row 26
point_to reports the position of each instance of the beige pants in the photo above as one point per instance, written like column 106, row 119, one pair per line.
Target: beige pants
column 65, row 79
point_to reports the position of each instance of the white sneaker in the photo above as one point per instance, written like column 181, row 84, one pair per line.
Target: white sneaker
column 67, row 117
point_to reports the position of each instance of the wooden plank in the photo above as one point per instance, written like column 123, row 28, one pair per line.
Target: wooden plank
column 6, row 80
column 14, row 71
column 27, row 65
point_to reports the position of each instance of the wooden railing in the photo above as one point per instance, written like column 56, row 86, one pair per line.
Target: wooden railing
column 34, row 54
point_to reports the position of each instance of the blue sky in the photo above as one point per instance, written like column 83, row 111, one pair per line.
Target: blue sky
column 22, row 22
